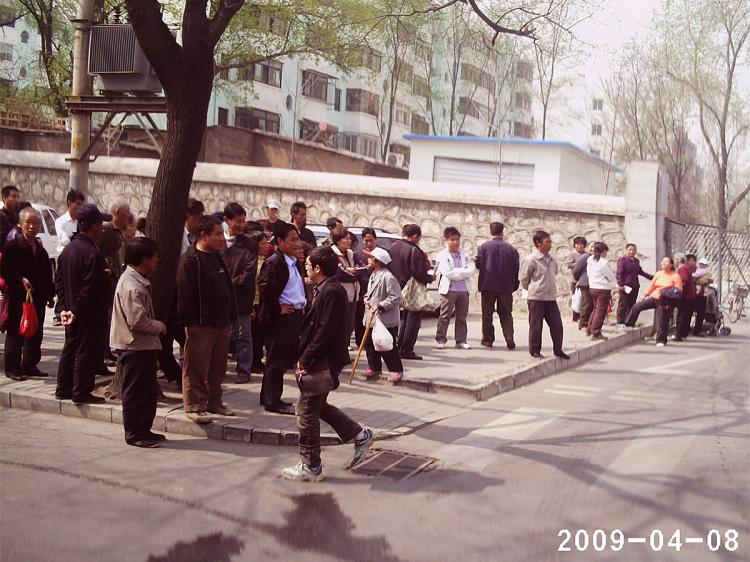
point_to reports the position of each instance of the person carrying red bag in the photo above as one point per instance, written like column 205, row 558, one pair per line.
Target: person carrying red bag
column 26, row 268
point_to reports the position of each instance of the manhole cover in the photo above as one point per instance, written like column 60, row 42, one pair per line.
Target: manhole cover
column 393, row 464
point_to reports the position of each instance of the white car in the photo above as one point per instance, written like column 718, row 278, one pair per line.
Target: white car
column 47, row 232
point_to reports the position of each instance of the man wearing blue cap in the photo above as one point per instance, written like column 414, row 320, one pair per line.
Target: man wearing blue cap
column 81, row 286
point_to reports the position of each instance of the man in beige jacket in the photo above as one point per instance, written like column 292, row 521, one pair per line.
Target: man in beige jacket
column 135, row 335
column 538, row 277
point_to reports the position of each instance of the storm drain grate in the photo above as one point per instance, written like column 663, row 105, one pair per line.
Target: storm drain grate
column 393, row 464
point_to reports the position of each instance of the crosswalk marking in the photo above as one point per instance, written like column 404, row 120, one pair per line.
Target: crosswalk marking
column 568, row 392
column 638, row 399
column 478, row 448
column 577, row 387
column 672, row 367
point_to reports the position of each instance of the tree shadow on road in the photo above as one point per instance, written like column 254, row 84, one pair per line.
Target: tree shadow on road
column 215, row 547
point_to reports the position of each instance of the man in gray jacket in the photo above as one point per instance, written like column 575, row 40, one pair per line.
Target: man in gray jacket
column 538, row 277
column 135, row 335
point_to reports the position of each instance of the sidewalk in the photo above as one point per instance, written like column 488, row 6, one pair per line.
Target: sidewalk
column 440, row 386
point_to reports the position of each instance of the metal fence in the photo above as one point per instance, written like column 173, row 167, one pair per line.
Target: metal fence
column 727, row 252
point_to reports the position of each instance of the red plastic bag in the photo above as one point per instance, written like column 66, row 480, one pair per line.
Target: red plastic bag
column 29, row 321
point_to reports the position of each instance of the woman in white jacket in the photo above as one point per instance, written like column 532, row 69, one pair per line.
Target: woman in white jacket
column 455, row 270
column 601, row 281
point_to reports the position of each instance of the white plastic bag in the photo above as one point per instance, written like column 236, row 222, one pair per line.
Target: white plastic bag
column 381, row 337
column 575, row 301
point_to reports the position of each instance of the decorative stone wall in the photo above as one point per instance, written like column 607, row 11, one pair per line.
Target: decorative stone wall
column 356, row 200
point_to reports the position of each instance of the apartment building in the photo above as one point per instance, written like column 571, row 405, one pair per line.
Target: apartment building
column 19, row 49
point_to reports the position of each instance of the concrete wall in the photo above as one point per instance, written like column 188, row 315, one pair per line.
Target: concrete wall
column 645, row 216
column 357, row 200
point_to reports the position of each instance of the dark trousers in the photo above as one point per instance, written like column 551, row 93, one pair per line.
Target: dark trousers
column 502, row 303
column 587, row 307
column 601, row 298
column 544, row 311
column 167, row 362
column 259, row 342
column 82, row 355
column 408, row 330
column 58, row 309
column 139, row 392
column 359, row 327
column 392, row 358
column 625, row 303
column 282, row 352
column 700, row 314
column 312, row 409
column 663, row 315
column 684, row 317
column 22, row 355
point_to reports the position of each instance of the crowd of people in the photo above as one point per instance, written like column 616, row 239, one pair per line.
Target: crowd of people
column 266, row 293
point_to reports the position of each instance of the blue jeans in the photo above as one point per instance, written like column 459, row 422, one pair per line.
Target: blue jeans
column 242, row 333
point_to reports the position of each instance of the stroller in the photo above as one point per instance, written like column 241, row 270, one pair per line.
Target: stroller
column 713, row 324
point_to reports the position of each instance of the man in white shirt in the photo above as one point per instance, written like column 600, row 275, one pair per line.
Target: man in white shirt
column 195, row 211
column 66, row 226
column 455, row 270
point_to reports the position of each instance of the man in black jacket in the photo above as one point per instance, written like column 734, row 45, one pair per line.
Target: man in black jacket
column 498, row 263
column 323, row 353
column 207, row 305
column 241, row 258
column 83, row 288
column 282, row 304
column 9, row 213
column 409, row 261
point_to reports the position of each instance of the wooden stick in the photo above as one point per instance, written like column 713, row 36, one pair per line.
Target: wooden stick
column 368, row 327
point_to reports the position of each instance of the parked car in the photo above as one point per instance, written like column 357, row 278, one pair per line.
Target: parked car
column 47, row 232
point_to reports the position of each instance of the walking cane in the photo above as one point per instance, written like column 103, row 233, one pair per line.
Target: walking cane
column 368, row 327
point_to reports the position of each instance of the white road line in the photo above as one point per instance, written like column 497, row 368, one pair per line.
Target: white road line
column 478, row 448
column 647, row 465
column 568, row 392
column 671, row 368
column 576, row 387
column 638, row 399
column 638, row 393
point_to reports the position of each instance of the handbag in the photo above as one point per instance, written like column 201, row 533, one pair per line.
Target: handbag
column 29, row 320
column 382, row 339
column 575, row 301
column 3, row 310
column 415, row 298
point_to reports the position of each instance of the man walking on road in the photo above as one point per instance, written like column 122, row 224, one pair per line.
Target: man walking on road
column 282, row 306
column 84, row 290
column 323, row 353
column 208, row 308
column 135, row 335
column 498, row 265
column 538, row 277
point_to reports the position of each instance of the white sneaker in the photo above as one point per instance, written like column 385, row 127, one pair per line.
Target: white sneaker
column 463, row 345
column 439, row 345
column 303, row 473
column 361, row 446
column 659, row 344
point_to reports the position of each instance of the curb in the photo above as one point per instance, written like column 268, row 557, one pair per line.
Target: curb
column 524, row 375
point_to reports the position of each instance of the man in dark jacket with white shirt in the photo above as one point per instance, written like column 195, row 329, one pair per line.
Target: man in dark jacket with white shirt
column 409, row 261
column 498, row 265
column 323, row 353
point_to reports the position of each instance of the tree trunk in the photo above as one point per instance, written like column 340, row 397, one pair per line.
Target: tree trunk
column 723, row 218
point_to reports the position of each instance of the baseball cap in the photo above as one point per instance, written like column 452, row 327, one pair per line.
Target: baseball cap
column 703, row 261
column 273, row 204
column 90, row 213
column 379, row 254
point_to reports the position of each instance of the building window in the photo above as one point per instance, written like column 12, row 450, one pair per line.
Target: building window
column 272, row 24
column 406, row 72
column 266, row 72
column 402, row 114
column 421, row 88
column 596, row 153
column 251, row 118
column 522, row 130
column 466, row 106
column 8, row 15
column 419, row 125
column 472, row 74
column 523, row 101
column 23, row 72
column 362, row 101
column 596, row 130
column 423, row 51
column 524, row 71
column 224, row 74
column 315, row 85
column 6, row 52
column 337, row 100
column 598, row 104
column 360, row 144
column 24, row 36
column 223, row 116
column 370, row 58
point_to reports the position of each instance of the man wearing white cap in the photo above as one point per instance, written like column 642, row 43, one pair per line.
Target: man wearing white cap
column 272, row 211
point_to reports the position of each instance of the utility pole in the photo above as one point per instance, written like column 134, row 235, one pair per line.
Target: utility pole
column 80, row 121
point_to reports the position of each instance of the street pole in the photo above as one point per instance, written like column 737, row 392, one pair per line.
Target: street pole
column 80, row 121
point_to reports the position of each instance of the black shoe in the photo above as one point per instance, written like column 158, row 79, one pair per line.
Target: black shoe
column 156, row 436
column 411, row 355
column 242, row 379
column 15, row 377
column 510, row 344
column 35, row 372
column 89, row 399
column 144, row 443
column 285, row 403
column 562, row 355
column 486, row 343
column 284, row 409
column 537, row 355
column 63, row 396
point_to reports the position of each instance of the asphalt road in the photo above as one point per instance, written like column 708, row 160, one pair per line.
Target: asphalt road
column 639, row 445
